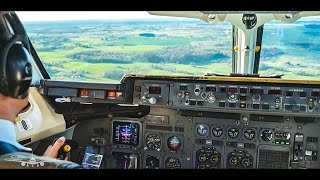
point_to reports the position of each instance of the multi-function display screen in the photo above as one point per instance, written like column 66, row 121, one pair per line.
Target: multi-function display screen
column 125, row 133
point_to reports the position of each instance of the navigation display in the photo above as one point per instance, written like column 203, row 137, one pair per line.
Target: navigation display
column 126, row 133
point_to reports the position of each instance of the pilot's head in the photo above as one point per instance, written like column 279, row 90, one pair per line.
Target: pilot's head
column 15, row 66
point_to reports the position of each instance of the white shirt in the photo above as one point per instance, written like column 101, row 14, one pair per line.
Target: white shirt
column 8, row 134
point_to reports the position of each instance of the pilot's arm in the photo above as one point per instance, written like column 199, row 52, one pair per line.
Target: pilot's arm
column 9, row 109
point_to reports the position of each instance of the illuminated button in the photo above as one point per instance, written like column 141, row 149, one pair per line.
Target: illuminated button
column 208, row 142
column 243, row 105
column 152, row 100
column 111, row 94
column 84, row 93
column 67, row 148
column 240, row 145
column 308, row 153
column 118, row 94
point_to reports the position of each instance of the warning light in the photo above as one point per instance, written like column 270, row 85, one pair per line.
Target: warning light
column 236, row 48
column 84, row 93
column 118, row 94
column 111, row 94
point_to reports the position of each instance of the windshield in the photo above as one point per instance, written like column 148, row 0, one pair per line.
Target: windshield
column 292, row 49
column 102, row 48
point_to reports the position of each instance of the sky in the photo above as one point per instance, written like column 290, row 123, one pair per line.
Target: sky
column 27, row 16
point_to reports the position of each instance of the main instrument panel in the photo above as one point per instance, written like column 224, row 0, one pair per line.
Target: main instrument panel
column 211, row 123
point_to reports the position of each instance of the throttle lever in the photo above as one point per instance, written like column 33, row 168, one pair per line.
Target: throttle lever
column 68, row 146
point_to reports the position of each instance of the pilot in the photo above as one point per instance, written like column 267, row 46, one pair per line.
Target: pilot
column 15, row 79
column 9, row 147
column 9, row 109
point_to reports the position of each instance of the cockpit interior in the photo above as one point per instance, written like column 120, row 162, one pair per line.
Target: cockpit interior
column 201, row 90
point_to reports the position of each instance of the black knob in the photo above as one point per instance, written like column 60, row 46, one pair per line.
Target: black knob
column 267, row 135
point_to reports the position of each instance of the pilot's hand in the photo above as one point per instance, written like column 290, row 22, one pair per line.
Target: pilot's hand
column 10, row 107
column 52, row 150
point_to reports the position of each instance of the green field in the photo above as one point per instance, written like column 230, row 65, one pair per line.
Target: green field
column 106, row 50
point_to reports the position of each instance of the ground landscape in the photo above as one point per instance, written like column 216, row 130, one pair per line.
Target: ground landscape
column 104, row 50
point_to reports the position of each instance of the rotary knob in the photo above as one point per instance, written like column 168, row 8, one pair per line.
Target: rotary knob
column 211, row 98
column 152, row 100
column 180, row 95
column 266, row 135
column 256, row 97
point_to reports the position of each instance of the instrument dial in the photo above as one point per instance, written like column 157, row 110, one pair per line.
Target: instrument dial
column 233, row 161
column 249, row 134
column 202, row 129
column 174, row 143
column 172, row 163
column 246, row 162
column 286, row 135
column 208, row 157
column 215, row 158
column 202, row 157
column 217, row 131
column 153, row 141
column 152, row 162
column 233, row 133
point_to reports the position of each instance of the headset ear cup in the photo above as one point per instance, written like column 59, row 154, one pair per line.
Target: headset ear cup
column 15, row 66
column 19, row 71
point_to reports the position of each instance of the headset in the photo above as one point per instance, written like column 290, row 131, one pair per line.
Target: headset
column 15, row 60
